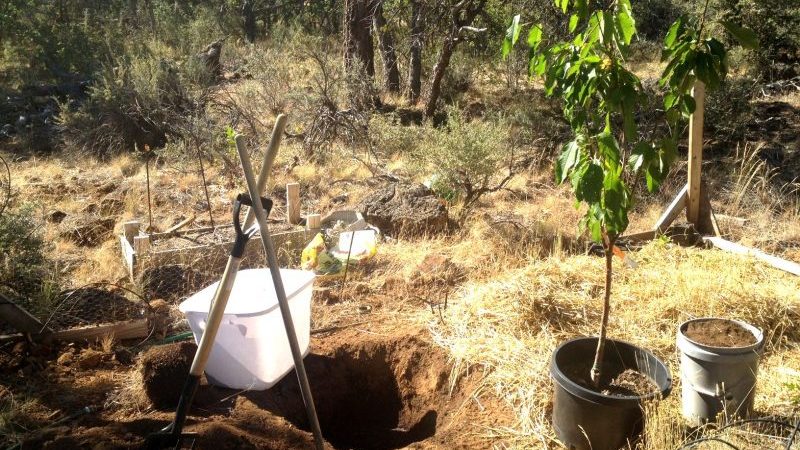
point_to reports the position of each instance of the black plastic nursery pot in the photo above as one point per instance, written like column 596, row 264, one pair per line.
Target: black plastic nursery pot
column 584, row 419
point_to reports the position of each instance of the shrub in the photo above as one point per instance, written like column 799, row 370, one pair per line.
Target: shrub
column 728, row 110
column 25, row 273
column 467, row 160
column 654, row 17
column 320, row 106
column 140, row 100
column 390, row 137
column 273, row 73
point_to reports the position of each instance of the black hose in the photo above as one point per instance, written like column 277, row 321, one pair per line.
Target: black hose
column 693, row 443
column 759, row 420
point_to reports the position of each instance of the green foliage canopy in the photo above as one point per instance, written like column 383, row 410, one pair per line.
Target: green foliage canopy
column 601, row 97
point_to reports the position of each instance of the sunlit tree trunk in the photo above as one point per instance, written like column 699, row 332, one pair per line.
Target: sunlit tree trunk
column 597, row 368
column 463, row 14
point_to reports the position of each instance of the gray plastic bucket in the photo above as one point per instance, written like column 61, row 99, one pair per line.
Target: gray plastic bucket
column 717, row 379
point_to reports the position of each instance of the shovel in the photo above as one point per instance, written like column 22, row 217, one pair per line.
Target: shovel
column 173, row 435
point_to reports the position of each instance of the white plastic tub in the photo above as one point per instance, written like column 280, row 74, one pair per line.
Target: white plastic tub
column 251, row 350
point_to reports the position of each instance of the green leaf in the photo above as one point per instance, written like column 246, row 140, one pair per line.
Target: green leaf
column 537, row 65
column 593, row 222
column 615, row 202
column 701, row 68
column 589, row 186
column 512, row 34
column 628, row 122
column 573, row 22
column 535, row 36
column 658, row 168
column 746, row 37
column 642, row 153
column 626, row 25
column 608, row 148
column 688, row 104
column 570, row 155
column 672, row 34
column 635, row 162
column 581, row 8
column 669, row 100
column 607, row 25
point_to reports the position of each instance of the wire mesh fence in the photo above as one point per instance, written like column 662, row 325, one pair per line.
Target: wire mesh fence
column 95, row 304
column 172, row 270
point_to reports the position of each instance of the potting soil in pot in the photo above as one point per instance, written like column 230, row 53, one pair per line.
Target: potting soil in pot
column 617, row 380
column 719, row 333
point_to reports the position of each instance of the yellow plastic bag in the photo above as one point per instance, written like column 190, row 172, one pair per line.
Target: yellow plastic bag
column 309, row 257
column 316, row 257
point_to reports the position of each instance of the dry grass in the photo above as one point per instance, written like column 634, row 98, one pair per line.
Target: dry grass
column 528, row 285
column 512, row 323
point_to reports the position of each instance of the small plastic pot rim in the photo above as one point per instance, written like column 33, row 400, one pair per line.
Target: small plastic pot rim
column 587, row 394
column 685, row 344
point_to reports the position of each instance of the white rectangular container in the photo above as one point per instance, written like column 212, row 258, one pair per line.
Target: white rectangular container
column 251, row 350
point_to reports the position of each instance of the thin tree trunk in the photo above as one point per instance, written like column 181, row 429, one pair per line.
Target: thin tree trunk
column 249, row 16
column 386, row 41
column 597, row 367
column 415, row 62
column 438, row 75
column 463, row 14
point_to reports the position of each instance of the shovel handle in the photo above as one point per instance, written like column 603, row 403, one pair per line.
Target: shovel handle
column 266, row 165
column 280, row 293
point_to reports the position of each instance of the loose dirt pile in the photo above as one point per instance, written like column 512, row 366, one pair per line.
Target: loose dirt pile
column 164, row 371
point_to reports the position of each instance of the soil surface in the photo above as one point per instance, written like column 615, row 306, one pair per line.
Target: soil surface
column 164, row 370
column 719, row 333
column 616, row 380
column 372, row 391
column 629, row 383
column 405, row 209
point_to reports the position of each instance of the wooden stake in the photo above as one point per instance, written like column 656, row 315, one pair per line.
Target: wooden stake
column 695, row 153
column 141, row 244
column 707, row 223
column 293, row 203
column 774, row 261
column 182, row 224
column 313, row 221
column 133, row 329
column 672, row 211
column 130, row 230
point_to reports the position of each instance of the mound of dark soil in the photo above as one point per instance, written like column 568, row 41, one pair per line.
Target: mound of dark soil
column 405, row 209
column 164, row 369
